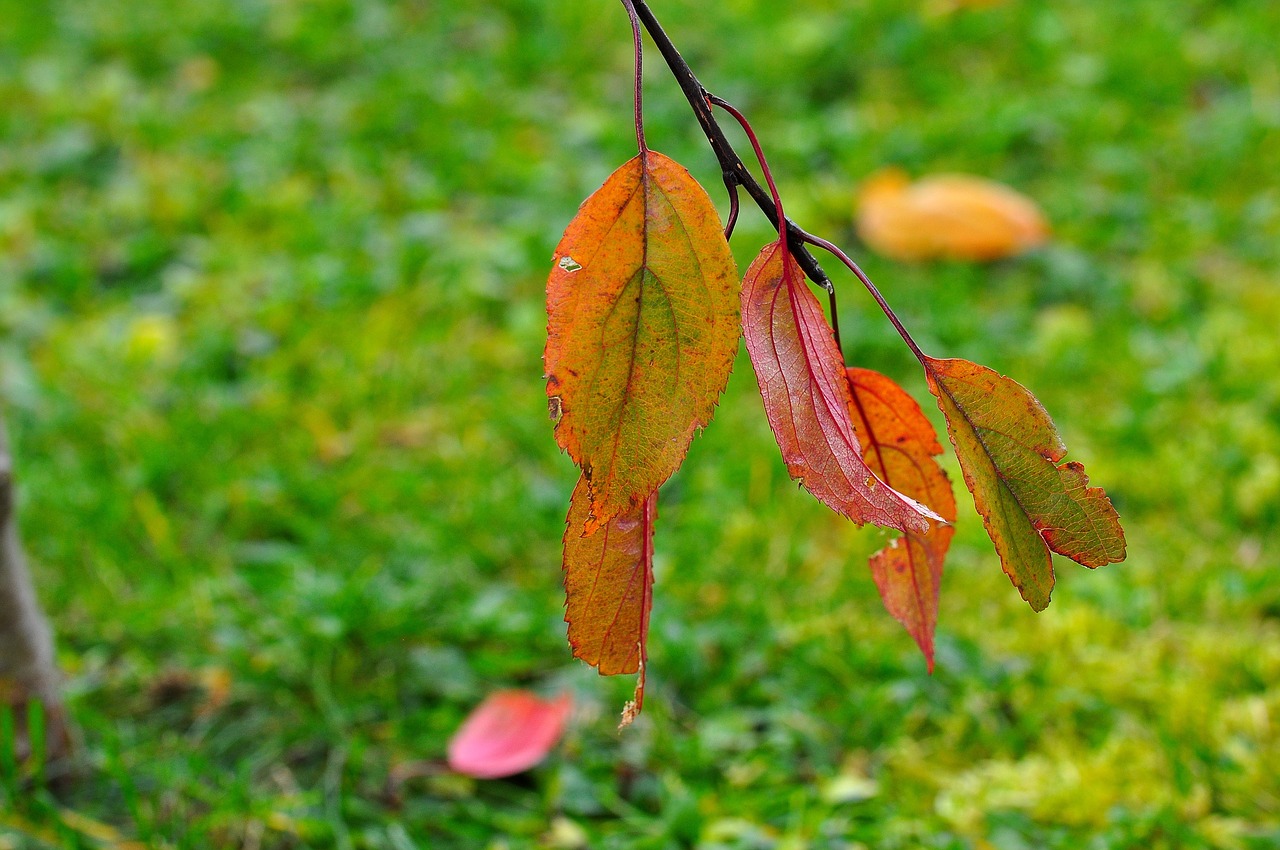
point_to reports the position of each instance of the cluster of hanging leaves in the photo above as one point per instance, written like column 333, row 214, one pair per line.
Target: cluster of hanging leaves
column 645, row 308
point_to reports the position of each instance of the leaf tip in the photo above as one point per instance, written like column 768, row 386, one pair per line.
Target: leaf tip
column 1038, row 603
column 631, row 710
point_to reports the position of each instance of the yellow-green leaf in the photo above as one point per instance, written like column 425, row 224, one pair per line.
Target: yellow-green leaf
column 1030, row 503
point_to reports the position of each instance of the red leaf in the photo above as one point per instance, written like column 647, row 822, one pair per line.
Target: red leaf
column 806, row 395
column 508, row 733
column 898, row 444
column 608, row 581
column 642, row 329
column 1030, row 503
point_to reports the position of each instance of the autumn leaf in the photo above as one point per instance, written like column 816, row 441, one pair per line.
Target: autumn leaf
column 608, row 582
column 949, row 216
column 899, row 445
column 1030, row 504
column 948, row 6
column 806, row 395
column 508, row 733
column 642, row 330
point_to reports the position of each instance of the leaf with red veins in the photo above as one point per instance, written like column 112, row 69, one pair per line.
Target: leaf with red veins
column 806, row 396
column 642, row 329
column 1030, row 503
column 608, row 581
column 899, row 444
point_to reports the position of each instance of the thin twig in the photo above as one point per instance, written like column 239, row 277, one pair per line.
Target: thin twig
column 639, row 93
column 733, row 210
column 777, row 200
column 835, row 322
column 755, row 146
column 871, row 287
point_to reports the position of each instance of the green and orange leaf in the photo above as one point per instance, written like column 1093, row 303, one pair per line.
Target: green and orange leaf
column 642, row 329
column 608, row 582
column 899, row 445
column 1030, row 503
column 806, row 395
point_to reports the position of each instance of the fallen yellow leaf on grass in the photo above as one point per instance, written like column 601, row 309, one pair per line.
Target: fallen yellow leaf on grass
column 946, row 7
column 948, row 216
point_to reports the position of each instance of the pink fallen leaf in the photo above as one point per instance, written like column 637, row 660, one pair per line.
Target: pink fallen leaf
column 508, row 733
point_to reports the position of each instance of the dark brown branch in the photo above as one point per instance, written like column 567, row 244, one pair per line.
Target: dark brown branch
column 735, row 172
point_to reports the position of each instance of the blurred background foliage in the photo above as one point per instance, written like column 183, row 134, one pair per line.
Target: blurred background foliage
column 271, row 319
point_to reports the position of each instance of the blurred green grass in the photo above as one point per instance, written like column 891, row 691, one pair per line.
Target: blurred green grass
column 271, row 280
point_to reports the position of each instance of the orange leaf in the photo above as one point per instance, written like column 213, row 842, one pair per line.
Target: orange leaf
column 642, row 330
column 806, row 395
column 950, row 216
column 1009, row 452
column 899, row 443
column 508, row 733
column 608, row 582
